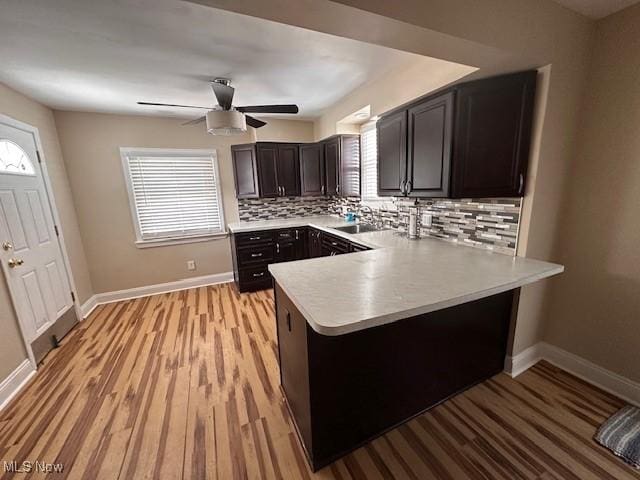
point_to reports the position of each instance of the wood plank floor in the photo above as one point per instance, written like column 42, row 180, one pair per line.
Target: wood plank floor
column 186, row 385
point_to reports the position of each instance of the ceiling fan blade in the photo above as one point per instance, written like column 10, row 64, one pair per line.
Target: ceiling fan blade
column 195, row 121
column 254, row 122
column 171, row 105
column 269, row 109
column 224, row 94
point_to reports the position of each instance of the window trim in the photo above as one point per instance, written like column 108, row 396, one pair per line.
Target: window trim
column 126, row 152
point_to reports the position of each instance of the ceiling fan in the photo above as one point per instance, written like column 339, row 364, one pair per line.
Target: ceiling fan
column 225, row 119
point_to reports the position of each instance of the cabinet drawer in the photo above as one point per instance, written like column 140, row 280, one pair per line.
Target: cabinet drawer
column 289, row 234
column 335, row 244
column 252, row 238
column 255, row 254
column 255, row 274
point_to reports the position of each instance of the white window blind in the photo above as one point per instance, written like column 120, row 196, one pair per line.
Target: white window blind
column 174, row 194
column 369, row 147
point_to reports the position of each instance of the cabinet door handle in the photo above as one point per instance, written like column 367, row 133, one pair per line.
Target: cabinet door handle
column 323, row 190
column 402, row 184
column 258, row 274
column 288, row 321
column 338, row 189
column 297, row 235
column 255, row 255
column 520, row 188
column 335, row 244
column 408, row 187
column 255, row 238
column 277, row 248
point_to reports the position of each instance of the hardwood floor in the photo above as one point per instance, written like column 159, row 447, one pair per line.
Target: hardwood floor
column 186, row 385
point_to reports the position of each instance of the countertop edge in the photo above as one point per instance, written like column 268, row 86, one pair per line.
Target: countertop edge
column 372, row 322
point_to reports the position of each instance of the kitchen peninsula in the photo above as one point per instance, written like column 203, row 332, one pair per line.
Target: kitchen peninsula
column 370, row 339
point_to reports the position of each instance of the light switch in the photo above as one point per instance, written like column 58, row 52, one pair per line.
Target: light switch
column 191, row 265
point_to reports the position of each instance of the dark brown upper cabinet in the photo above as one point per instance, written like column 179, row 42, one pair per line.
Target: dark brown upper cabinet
column 312, row 180
column 392, row 153
column 269, row 169
column 267, row 155
column 287, row 166
column 332, row 165
column 430, row 126
column 342, row 165
column 278, row 169
column 471, row 140
column 245, row 170
column 493, row 135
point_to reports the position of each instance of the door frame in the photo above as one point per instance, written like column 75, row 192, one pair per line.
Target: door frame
column 42, row 164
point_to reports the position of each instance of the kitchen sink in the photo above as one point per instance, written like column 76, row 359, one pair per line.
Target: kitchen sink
column 358, row 228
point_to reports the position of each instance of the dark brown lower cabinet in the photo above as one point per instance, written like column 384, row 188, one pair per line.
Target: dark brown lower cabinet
column 346, row 390
column 315, row 243
column 254, row 251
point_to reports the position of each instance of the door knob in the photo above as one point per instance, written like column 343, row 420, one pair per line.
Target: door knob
column 15, row 262
column 6, row 246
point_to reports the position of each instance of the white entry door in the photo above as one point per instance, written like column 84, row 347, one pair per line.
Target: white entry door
column 30, row 252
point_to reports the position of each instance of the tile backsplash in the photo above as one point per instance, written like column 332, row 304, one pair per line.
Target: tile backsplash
column 282, row 207
column 490, row 224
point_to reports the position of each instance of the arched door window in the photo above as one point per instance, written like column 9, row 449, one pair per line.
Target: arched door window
column 14, row 159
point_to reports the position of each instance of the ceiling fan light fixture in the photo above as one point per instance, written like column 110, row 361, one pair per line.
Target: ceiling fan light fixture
column 226, row 122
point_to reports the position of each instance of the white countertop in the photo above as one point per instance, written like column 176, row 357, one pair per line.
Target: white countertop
column 400, row 278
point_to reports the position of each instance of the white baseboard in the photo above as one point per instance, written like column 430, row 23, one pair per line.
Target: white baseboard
column 622, row 387
column 10, row 386
column 129, row 294
column 522, row 362
column 88, row 307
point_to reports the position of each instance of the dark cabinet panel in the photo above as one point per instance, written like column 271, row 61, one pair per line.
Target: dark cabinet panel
column 245, row 170
column 301, row 250
column 267, row 170
column 392, row 153
column 287, row 169
column 429, row 155
column 312, row 169
column 285, row 251
column 315, row 243
column 349, row 166
column 294, row 363
column 332, row 166
column 492, row 136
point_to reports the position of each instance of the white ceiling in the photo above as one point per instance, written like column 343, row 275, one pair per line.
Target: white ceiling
column 596, row 8
column 103, row 56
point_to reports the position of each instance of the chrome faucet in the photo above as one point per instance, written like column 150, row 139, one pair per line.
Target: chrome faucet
column 376, row 219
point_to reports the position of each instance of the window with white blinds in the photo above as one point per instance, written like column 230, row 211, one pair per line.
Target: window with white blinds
column 174, row 194
column 369, row 167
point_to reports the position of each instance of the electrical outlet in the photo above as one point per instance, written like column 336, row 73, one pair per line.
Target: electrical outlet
column 191, row 265
column 426, row 219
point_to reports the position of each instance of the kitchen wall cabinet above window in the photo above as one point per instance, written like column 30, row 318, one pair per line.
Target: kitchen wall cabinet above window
column 330, row 167
column 469, row 141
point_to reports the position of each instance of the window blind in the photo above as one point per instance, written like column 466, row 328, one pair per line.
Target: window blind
column 175, row 196
column 369, row 154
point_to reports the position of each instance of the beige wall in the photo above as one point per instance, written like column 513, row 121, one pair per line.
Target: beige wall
column 277, row 130
column 398, row 86
column 595, row 311
column 91, row 143
column 19, row 107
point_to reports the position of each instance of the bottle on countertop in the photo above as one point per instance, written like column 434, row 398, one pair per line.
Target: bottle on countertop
column 413, row 232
